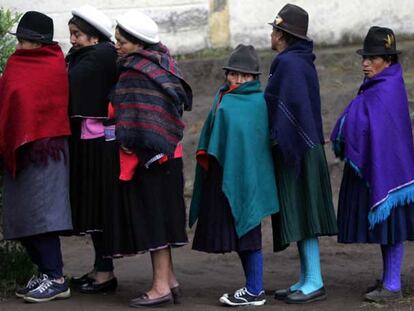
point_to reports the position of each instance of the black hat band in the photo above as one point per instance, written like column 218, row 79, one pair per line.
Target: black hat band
column 31, row 34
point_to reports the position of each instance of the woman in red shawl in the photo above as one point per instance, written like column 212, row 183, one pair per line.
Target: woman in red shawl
column 33, row 146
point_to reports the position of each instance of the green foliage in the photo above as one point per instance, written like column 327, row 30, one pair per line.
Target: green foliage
column 7, row 41
column 15, row 267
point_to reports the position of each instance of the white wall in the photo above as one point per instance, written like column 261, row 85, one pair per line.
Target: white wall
column 184, row 24
column 330, row 21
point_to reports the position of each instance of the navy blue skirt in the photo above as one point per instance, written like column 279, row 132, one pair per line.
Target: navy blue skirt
column 353, row 209
column 216, row 232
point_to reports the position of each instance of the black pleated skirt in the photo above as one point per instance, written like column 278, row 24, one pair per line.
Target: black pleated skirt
column 89, row 178
column 353, row 209
column 149, row 211
column 215, row 231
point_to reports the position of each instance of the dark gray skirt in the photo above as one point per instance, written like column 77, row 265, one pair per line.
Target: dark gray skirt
column 36, row 201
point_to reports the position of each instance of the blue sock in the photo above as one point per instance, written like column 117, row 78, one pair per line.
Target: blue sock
column 313, row 276
column 252, row 262
column 301, row 281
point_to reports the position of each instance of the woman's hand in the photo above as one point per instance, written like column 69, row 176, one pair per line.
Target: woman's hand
column 126, row 150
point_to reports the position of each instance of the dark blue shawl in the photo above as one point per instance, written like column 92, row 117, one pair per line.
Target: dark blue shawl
column 293, row 102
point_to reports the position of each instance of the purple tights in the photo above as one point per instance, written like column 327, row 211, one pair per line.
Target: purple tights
column 392, row 257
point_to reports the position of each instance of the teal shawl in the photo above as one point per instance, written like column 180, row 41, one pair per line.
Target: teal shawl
column 237, row 135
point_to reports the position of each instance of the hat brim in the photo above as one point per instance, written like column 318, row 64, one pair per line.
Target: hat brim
column 290, row 32
column 362, row 52
column 127, row 28
column 242, row 70
column 33, row 39
column 93, row 23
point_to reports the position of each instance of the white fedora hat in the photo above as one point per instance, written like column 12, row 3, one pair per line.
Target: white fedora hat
column 139, row 25
column 96, row 18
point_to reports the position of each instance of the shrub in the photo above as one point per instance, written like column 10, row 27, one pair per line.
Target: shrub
column 7, row 41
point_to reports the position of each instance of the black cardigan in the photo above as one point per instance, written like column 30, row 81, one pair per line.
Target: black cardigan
column 92, row 74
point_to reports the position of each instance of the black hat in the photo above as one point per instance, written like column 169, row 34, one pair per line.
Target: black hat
column 244, row 59
column 379, row 41
column 294, row 20
column 35, row 26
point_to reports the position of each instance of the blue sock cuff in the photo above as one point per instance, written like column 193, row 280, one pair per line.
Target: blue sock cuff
column 253, row 266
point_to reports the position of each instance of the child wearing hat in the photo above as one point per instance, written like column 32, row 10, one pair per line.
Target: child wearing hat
column 235, row 187
column 34, row 127
column 295, row 123
column 373, row 136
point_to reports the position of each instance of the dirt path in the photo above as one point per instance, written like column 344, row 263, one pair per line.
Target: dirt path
column 347, row 269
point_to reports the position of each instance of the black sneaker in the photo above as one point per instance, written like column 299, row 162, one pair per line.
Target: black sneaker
column 48, row 290
column 32, row 284
column 242, row 297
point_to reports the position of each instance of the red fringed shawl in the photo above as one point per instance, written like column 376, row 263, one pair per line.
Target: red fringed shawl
column 33, row 100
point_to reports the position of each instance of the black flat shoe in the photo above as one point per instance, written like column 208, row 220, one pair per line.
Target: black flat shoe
column 145, row 301
column 78, row 281
column 281, row 294
column 382, row 294
column 176, row 294
column 299, row 297
column 377, row 285
column 94, row 288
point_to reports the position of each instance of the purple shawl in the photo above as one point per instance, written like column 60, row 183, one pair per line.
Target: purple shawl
column 374, row 135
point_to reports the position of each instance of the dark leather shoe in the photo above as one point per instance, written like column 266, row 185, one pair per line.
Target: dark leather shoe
column 378, row 284
column 176, row 294
column 300, row 297
column 281, row 294
column 144, row 300
column 94, row 288
column 78, row 281
column 382, row 294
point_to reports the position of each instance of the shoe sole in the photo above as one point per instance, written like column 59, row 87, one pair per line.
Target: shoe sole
column 226, row 301
column 383, row 300
column 318, row 298
column 19, row 295
column 152, row 305
column 63, row 295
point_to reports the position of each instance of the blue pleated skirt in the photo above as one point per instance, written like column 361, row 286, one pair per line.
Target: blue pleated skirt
column 353, row 209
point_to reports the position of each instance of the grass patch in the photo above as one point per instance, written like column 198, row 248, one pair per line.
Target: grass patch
column 15, row 267
column 205, row 54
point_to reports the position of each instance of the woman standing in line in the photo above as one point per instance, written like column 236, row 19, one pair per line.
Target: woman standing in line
column 235, row 186
column 92, row 74
column 374, row 138
column 302, row 175
column 33, row 146
column 149, row 99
